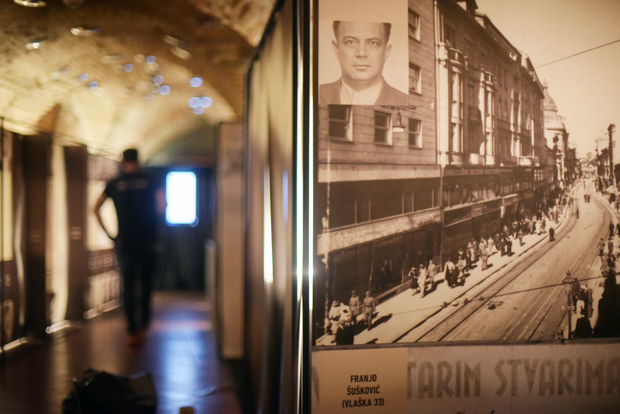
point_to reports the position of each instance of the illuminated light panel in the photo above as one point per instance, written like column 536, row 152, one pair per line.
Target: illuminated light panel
column 181, row 198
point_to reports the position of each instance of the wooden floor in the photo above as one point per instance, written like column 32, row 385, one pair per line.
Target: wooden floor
column 179, row 352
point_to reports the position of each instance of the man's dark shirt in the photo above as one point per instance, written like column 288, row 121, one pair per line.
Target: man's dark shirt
column 134, row 199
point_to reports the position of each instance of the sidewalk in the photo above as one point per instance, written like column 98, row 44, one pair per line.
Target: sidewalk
column 405, row 311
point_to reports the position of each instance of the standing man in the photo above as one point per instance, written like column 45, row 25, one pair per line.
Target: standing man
column 139, row 203
column 369, row 309
column 362, row 49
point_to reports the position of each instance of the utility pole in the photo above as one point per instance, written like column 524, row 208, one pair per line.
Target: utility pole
column 611, row 129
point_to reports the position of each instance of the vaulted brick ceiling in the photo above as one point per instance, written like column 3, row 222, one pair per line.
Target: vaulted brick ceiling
column 78, row 87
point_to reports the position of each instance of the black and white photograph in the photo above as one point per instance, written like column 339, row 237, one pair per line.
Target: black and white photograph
column 362, row 60
column 487, row 208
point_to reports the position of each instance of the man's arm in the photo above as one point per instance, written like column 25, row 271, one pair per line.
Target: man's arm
column 96, row 209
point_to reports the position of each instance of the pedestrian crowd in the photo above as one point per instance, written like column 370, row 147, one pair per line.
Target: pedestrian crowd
column 344, row 322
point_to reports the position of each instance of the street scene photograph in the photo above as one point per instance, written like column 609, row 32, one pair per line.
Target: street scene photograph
column 485, row 208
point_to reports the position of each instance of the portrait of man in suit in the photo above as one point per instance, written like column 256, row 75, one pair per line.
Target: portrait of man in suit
column 362, row 50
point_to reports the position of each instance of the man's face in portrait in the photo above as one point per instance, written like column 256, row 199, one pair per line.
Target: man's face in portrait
column 362, row 49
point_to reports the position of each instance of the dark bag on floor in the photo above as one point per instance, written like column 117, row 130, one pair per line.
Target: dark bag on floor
column 99, row 392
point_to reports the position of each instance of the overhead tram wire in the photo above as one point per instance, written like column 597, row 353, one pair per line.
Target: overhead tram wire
column 577, row 54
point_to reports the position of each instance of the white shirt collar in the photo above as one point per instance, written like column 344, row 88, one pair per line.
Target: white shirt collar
column 366, row 97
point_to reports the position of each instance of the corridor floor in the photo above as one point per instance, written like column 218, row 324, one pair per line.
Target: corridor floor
column 180, row 353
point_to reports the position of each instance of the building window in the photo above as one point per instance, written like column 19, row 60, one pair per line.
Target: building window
column 415, row 137
column 487, row 103
column 449, row 36
column 469, row 53
column 383, row 123
column 414, row 78
column 414, row 25
column 340, row 122
column 407, row 202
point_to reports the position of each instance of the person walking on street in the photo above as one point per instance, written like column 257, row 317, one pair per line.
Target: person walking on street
column 551, row 234
column 461, row 264
column 520, row 235
column 140, row 204
column 509, row 246
column 450, row 273
column 431, row 272
column 413, row 275
column 369, row 309
column 422, row 280
column 601, row 247
column 484, row 257
column 355, row 306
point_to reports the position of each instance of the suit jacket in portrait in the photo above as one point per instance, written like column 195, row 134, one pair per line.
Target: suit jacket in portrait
column 329, row 93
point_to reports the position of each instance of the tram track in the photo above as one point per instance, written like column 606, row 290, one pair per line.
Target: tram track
column 528, row 327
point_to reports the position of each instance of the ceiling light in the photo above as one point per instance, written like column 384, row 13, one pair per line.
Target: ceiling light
column 93, row 85
column 150, row 59
column 128, row 67
column 195, row 82
column 155, row 88
column 194, row 102
column 199, row 110
column 171, row 40
column 157, row 80
column 164, row 90
column 30, row 3
column 35, row 43
column 113, row 58
column 206, row 102
column 149, row 97
column 181, row 53
column 85, row 31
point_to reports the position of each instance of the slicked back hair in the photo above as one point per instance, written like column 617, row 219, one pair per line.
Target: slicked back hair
column 387, row 26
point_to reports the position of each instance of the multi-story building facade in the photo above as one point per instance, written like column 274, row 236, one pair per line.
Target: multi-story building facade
column 400, row 186
column 378, row 182
column 489, row 126
column 556, row 135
